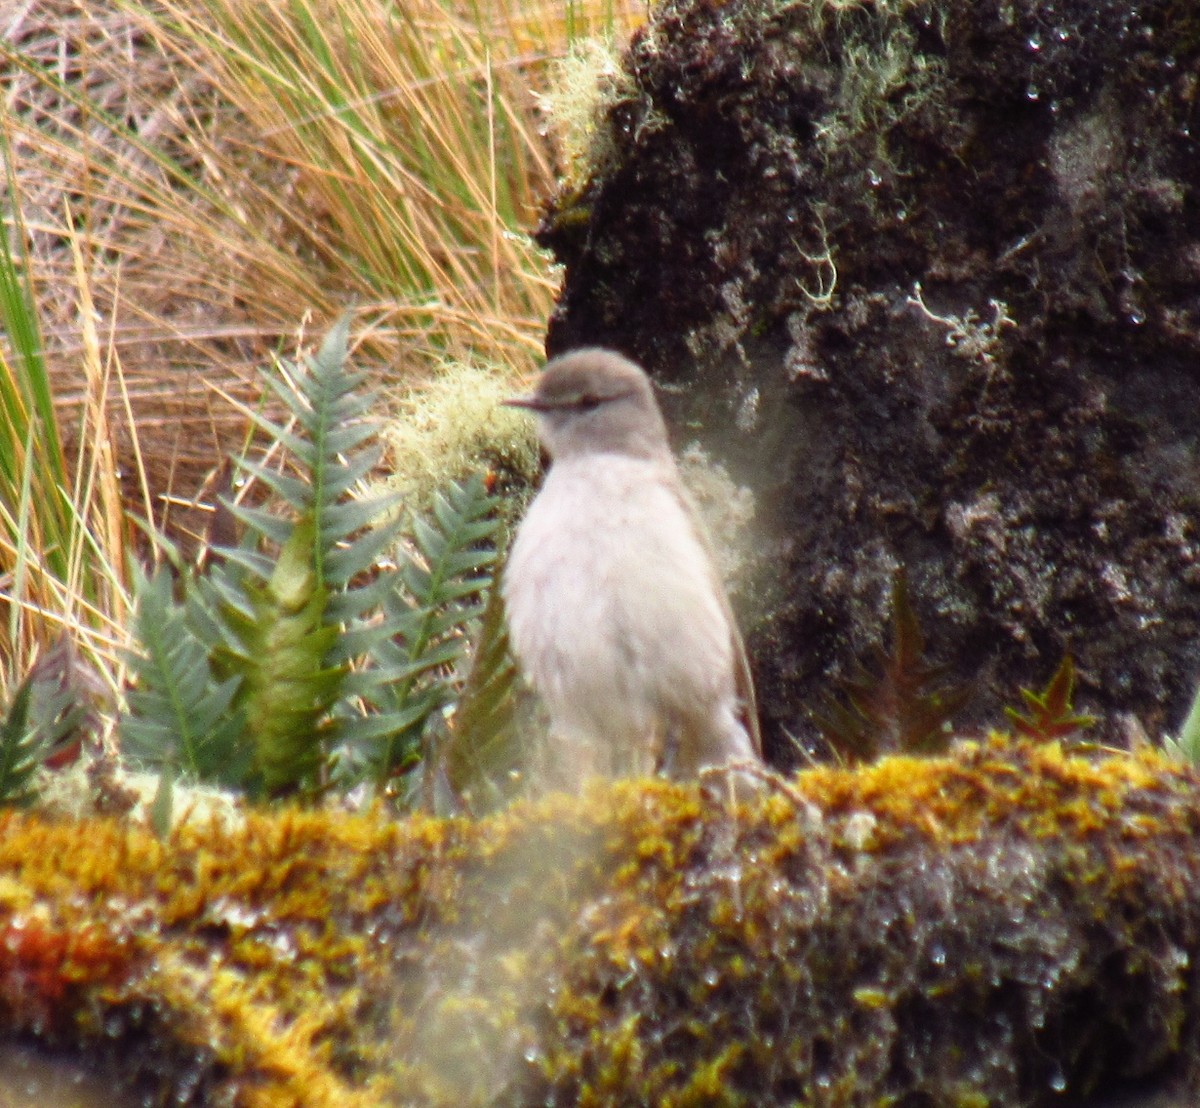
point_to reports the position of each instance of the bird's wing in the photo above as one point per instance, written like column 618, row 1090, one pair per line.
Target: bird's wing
column 745, row 686
column 743, row 678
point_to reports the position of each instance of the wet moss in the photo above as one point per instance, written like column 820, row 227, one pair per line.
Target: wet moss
column 1011, row 924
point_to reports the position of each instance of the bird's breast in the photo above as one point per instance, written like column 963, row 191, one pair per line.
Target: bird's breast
column 608, row 581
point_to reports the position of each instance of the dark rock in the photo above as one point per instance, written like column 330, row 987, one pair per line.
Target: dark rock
column 932, row 272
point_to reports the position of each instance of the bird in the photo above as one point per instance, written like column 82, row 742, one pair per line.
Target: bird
column 616, row 614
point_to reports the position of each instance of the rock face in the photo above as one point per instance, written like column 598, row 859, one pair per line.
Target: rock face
column 932, row 273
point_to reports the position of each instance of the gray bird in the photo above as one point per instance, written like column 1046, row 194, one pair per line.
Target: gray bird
column 616, row 613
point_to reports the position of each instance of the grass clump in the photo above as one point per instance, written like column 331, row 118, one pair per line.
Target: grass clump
column 270, row 160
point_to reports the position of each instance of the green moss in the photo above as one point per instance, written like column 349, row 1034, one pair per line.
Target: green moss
column 974, row 929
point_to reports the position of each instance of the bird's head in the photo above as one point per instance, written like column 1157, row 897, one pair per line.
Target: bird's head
column 594, row 401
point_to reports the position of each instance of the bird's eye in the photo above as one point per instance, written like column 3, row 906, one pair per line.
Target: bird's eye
column 587, row 402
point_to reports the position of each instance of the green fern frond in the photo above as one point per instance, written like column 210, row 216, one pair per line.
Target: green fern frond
column 41, row 715
column 438, row 594
column 482, row 755
column 326, row 444
column 21, row 748
column 181, row 717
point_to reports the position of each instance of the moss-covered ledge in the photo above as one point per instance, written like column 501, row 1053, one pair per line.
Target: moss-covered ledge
column 1011, row 924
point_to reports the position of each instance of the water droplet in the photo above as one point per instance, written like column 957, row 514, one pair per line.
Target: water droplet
column 1058, row 1081
column 874, row 179
column 1062, row 34
column 1033, row 93
column 1034, row 43
column 1137, row 317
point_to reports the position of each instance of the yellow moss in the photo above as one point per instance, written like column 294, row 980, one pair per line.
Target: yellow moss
column 952, row 800
column 709, row 1082
column 643, row 942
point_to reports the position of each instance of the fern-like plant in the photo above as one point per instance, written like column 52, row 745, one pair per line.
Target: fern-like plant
column 180, row 717
column 483, row 756
column 41, row 715
column 430, row 614
column 296, row 659
column 902, row 703
column 1050, row 714
column 280, row 624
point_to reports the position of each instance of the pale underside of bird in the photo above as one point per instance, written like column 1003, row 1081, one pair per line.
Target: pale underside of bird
column 616, row 613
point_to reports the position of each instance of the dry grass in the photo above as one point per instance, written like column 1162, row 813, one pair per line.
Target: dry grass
column 199, row 183
column 229, row 169
column 63, row 530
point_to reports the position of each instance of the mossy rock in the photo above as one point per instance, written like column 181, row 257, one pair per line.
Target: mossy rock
column 1012, row 924
column 924, row 275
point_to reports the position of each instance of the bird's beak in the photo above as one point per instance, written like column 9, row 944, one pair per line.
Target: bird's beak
column 532, row 403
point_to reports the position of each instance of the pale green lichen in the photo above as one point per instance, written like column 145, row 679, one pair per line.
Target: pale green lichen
column 455, row 425
column 583, row 86
column 727, row 510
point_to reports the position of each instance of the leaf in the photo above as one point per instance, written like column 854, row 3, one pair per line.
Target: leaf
column 40, row 715
column 482, row 754
column 162, row 807
column 62, row 681
column 279, row 653
column 1186, row 746
column 1050, row 714
column 180, row 713
column 438, row 597
column 903, row 704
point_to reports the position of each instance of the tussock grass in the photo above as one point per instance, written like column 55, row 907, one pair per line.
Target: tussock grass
column 230, row 167
column 62, row 527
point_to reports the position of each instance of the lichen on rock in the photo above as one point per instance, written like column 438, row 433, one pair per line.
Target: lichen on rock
column 932, row 273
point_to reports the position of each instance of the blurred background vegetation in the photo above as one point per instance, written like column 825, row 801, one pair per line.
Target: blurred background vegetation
column 193, row 187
